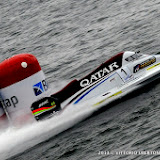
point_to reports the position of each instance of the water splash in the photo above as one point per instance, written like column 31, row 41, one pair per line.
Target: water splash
column 16, row 140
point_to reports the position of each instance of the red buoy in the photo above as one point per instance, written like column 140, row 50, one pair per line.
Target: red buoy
column 12, row 70
column 21, row 83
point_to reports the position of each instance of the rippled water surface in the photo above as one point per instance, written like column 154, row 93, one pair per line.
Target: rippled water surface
column 70, row 38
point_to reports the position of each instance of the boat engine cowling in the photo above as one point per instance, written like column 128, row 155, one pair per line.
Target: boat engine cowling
column 45, row 108
column 21, row 83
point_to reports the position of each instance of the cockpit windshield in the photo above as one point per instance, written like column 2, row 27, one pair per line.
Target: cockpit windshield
column 133, row 57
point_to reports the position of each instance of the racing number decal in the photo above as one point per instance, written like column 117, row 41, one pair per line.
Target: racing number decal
column 125, row 74
column 122, row 70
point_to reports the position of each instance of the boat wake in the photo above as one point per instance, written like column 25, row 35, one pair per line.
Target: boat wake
column 16, row 140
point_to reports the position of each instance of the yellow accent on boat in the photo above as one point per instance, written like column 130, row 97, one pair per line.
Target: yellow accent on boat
column 117, row 93
column 153, row 66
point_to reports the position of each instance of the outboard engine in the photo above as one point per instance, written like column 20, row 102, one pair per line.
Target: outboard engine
column 22, row 82
column 45, row 108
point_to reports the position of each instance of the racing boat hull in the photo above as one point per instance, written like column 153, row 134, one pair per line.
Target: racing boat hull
column 113, row 79
column 124, row 73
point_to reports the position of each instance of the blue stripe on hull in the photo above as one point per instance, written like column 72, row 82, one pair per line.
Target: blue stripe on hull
column 92, row 89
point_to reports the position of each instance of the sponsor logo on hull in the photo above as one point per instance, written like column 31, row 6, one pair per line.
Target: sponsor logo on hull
column 12, row 101
column 40, row 87
column 144, row 64
column 101, row 73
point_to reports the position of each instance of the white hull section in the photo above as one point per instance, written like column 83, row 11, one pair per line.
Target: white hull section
column 113, row 87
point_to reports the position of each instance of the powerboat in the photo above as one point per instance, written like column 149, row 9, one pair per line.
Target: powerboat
column 24, row 89
column 115, row 78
